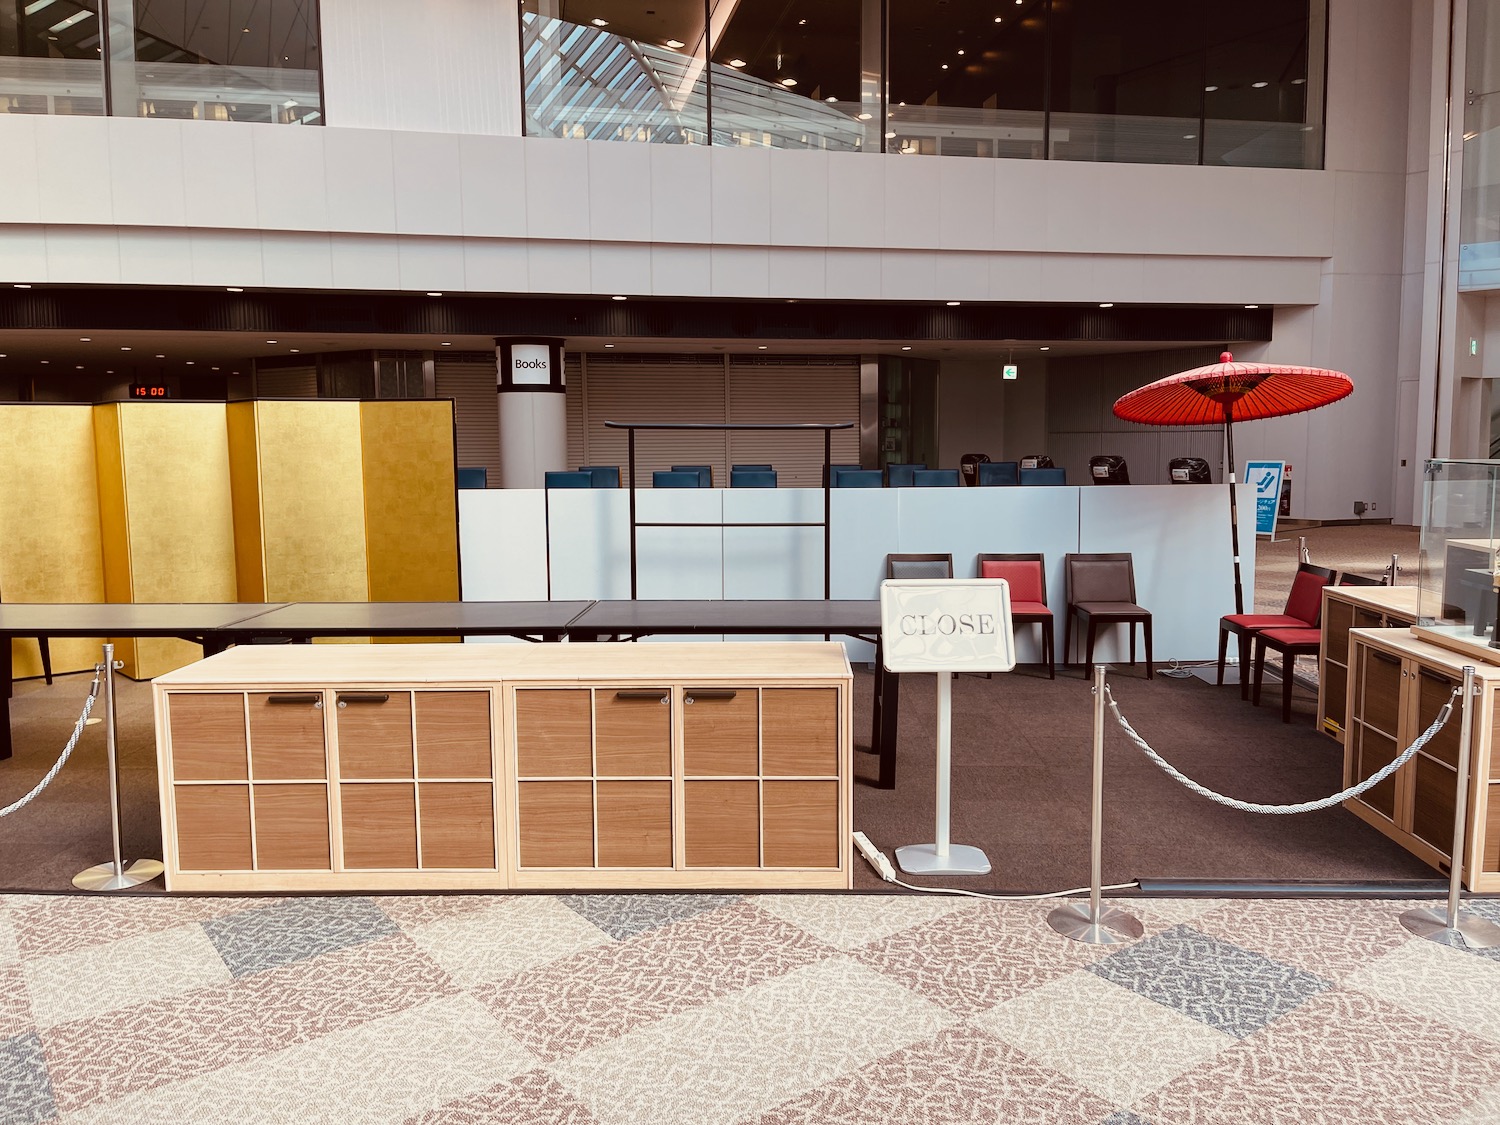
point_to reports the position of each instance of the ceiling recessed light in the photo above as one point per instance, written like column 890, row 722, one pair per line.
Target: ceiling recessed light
column 447, row 343
column 761, row 347
column 159, row 356
column 999, row 19
column 85, row 339
column 830, row 99
column 1259, row 85
column 243, row 30
column 676, row 44
column 788, row 82
column 597, row 22
column 234, row 289
column 1045, row 348
column 46, row 361
column 617, row 297
column 433, row 293
column 191, row 362
column 801, row 23
column 952, row 304
column 960, row 50
column 736, row 62
column 21, row 285
column 609, row 345
column 863, row 116
column 1252, row 306
column 906, row 347
column 890, row 136
column 296, row 350
column 124, row 349
column 270, row 341
column 213, row 368
column 78, row 367
column 1209, row 89
column 1106, row 304
column 945, row 66
column 1298, row 81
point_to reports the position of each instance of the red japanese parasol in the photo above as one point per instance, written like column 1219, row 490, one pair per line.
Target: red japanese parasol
column 1228, row 392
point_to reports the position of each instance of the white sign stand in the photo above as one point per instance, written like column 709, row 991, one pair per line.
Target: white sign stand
column 945, row 625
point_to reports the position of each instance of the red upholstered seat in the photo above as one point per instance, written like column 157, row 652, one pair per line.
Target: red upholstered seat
column 1027, row 576
column 1291, row 643
column 1029, row 609
column 1303, row 610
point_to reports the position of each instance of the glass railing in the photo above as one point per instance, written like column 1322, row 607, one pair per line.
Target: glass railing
column 210, row 92
column 57, row 86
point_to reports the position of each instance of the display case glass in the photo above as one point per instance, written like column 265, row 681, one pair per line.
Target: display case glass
column 1460, row 554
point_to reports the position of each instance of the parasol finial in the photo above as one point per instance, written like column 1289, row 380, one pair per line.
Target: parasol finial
column 1226, row 357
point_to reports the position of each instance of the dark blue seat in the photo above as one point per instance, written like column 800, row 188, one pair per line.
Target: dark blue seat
column 705, row 474
column 859, row 478
column 605, row 476
column 562, row 478
column 752, row 478
column 473, row 478
column 1044, row 476
column 899, row 476
column 935, row 478
column 752, row 468
column 998, row 472
column 835, row 470
column 675, row 478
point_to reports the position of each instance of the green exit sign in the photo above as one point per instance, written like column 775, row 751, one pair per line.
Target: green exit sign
column 1011, row 371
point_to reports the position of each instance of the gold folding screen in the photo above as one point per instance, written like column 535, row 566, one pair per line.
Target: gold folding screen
column 309, row 500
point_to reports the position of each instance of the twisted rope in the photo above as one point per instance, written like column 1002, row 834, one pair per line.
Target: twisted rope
column 88, row 705
column 1284, row 810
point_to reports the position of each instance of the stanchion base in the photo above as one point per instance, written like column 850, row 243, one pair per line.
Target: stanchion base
column 1432, row 923
column 922, row 859
column 1115, row 927
column 102, row 877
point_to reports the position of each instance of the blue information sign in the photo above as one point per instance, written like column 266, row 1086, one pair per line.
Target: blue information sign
column 1264, row 477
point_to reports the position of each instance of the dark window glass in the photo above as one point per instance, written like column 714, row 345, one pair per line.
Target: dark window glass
column 595, row 70
column 51, row 57
column 966, row 78
column 787, row 74
column 233, row 60
column 1259, row 93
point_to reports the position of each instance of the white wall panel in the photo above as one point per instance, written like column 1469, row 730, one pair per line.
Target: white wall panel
column 681, row 194
column 23, row 249
column 427, row 179
column 557, row 188
column 492, row 185
column 960, row 276
column 148, row 260
column 74, row 183
column 865, row 530
column 297, row 261
column 853, row 274
column 589, row 540
column 678, row 271
column 856, row 201
column 365, row 261
column 291, row 185
column 773, row 562
column 908, row 275
column 83, row 255
column 228, row 257
column 218, row 175
column 360, row 166
column 966, row 204
column 21, row 202
column 620, row 267
column 798, row 272
column 799, row 198
column 558, row 267
column 911, row 186
column 500, row 536
column 741, row 187
column 494, row 265
column 673, row 562
column 146, row 172
column 448, row 66
column 740, row 271
column 431, row 263
column 620, row 192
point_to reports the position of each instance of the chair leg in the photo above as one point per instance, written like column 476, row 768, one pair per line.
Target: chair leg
column 1088, row 662
column 1288, row 661
column 1223, row 651
column 1260, row 669
column 1150, row 671
column 1048, row 646
column 1067, row 636
column 1131, row 626
column 1244, row 665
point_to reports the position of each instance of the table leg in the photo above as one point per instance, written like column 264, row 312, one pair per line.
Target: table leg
column 885, row 712
column 214, row 643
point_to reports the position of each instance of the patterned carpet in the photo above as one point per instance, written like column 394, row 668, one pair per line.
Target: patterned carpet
column 707, row 1008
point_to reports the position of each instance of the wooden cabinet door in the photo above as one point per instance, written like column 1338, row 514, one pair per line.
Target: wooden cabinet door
column 1376, row 724
column 375, row 740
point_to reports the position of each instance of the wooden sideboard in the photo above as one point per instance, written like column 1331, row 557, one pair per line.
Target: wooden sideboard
column 383, row 767
column 1346, row 608
column 1397, row 684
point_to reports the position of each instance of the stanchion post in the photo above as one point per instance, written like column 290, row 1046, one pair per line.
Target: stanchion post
column 1446, row 926
column 114, row 876
column 942, row 856
column 1302, row 554
column 1096, row 925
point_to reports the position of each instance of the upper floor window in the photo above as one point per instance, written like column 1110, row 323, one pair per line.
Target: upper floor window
column 51, row 57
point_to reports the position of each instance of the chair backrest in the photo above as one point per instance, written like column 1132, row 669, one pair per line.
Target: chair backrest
column 1044, row 476
column 899, row 476
column 998, row 472
column 919, row 566
column 1100, row 577
column 1027, row 574
column 705, row 473
column 565, row 479
column 833, row 472
column 1305, row 601
column 752, row 478
column 1347, row 579
column 676, row 478
column 605, row 476
column 935, row 478
column 473, row 478
column 752, row 468
column 858, row 478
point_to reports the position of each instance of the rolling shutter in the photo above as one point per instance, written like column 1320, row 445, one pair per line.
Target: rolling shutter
column 653, row 389
column 793, row 389
column 468, row 378
column 286, row 382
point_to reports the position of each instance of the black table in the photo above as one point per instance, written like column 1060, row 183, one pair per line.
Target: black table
column 755, row 617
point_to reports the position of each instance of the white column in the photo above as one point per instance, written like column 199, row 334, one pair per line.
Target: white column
column 532, row 401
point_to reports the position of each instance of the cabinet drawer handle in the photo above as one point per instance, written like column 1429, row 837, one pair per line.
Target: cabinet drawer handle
column 348, row 697
column 710, row 693
column 292, row 698
column 646, row 693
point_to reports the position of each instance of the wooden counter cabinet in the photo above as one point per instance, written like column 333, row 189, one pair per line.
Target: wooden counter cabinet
column 1397, row 685
column 1346, row 608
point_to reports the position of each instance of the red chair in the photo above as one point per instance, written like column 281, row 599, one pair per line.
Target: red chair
column 1291, row 643
column 1027, row 575
column 1304, row 610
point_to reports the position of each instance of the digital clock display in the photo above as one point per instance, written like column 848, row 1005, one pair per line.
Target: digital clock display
column 149, row 390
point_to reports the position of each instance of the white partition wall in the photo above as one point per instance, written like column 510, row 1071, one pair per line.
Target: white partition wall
column 1178, row 535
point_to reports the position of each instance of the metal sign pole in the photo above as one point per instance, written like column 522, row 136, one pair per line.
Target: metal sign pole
column 942, row 857
column 1096, row 925
column 114, row 876
column 1446, row 925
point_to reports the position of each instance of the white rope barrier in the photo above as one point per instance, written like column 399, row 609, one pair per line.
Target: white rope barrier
column 1285, row 810
column 88, row 705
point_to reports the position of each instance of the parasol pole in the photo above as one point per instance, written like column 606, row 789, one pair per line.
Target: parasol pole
column 1234, row 514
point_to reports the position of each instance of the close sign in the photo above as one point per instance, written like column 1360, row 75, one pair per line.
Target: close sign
column 947, row 625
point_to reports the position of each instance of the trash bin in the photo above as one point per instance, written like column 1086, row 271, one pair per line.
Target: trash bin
column 968, row 473
column 1189, row 470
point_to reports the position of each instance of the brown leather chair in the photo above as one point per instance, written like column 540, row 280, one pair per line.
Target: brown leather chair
column 1101, row 591
column 919, row 566
column 1027, row 575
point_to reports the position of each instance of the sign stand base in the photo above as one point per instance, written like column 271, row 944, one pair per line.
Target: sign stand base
column 922, row 859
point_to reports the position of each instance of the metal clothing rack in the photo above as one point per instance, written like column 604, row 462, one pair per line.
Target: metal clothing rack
column 826, row 523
